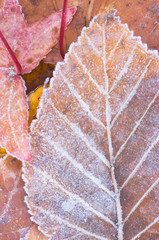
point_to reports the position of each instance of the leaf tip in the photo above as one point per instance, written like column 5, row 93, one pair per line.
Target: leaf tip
column 25, row 155
column 73, row 10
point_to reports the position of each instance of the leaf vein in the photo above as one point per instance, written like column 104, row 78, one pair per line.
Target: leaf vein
column 136, row 126
column 81, row 102
column 124, row 70
column 86, row 71
column 80, row 134
column 61, row 220
column 77, row 165
column 140, row 162
column 72, row 195
column 145, row 229
column 132, row 93
column 141, row 200
column 108, row 119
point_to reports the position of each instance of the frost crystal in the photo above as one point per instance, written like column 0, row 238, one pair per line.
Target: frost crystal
column 95, row 140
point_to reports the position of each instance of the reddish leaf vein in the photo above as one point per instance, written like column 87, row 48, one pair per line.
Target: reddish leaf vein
column 63, row 27
column 15, row 60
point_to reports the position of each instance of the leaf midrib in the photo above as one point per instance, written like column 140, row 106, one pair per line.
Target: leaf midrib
column 108, row 119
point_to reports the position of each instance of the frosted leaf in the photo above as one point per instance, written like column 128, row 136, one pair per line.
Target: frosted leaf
column 30, row 43
column 95, row 141
column 14, row 218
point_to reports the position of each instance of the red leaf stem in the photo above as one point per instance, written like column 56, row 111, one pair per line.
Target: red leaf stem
column 63, row 27
column 16, row 63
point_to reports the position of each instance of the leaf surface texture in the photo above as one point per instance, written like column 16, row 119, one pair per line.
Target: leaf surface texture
column 30, row 43
column 95, row 164
column 14, row 218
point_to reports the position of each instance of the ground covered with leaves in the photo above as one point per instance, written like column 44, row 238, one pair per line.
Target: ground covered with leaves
column 142, row 17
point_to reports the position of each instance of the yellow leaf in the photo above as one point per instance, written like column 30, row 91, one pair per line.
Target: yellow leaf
column 33, row 103
column 2, row 152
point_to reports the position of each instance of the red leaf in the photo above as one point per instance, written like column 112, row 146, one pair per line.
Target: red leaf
column 14, row 116
column 30, row 43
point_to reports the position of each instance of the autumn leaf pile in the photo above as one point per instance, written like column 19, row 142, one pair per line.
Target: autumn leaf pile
column 30, row 43
column 94, row 147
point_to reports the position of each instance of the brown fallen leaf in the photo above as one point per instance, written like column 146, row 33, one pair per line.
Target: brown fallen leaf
column 142, row 17
column 14, row 218
column 54, row 56
column 35, row 234
column 37, row 77
column 33, row 9
column 86, row 9
column 95, row 171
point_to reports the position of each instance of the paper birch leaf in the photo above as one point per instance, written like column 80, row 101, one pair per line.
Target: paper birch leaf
column 95, row 169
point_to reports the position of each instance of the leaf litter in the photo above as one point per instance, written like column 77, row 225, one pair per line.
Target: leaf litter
column 86, row 9
column 14, row 218
column 95, row 169
column 30, row 43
